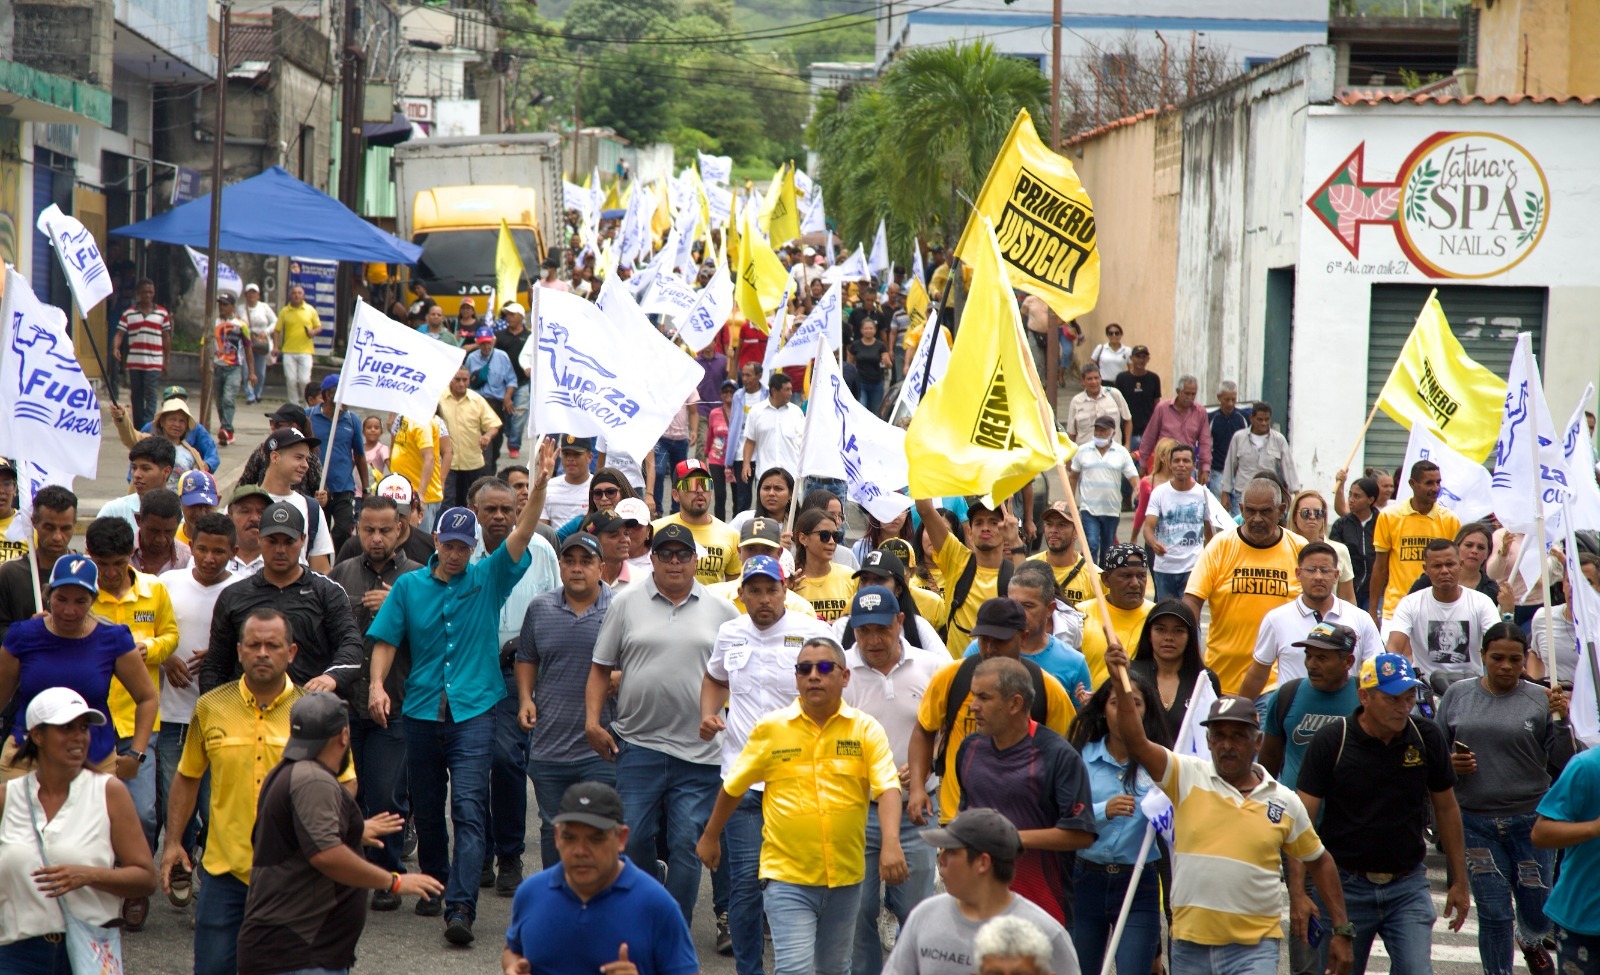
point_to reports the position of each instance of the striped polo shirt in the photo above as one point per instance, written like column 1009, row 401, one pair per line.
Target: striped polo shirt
column 145, row 335
column 1226, row 851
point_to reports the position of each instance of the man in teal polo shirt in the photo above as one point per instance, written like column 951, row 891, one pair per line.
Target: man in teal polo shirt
column 449, row 617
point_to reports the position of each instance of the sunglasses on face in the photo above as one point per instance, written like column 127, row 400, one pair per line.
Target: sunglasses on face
column 674, row 555
column 607, row 492
column 695, row 484
column 1315, row 514
column 823, row 667
column 837, row 536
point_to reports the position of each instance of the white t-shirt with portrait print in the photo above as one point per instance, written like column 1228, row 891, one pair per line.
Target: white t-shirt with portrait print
column 1444, row 636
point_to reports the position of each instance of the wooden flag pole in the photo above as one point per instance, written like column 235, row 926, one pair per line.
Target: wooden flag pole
column 1360, row 437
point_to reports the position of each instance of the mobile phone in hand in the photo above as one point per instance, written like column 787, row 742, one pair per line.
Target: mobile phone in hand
column 1314, row 931
column 1461, row 749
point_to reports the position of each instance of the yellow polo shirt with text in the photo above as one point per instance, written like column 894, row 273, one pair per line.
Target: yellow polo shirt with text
column 1401, row 536
column 819, row 783
column 720, row 542
column 1242, row 583
column 951, row 558
column 240, row 742
column 146, row 610
column 1128, row 624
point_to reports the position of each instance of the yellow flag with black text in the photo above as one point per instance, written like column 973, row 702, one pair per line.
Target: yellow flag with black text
column 1434, row 382
column 508, row 269
column 916, row 312
column 1043, row 221
column 784, row 225
column 762, row 279
column 983, row 428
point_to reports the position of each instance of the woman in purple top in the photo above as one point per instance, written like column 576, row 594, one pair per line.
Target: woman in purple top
column 67, row 647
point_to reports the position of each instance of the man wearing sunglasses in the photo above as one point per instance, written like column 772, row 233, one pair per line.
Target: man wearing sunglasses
column 718, row 542
column 820, row 760
column 750, row 674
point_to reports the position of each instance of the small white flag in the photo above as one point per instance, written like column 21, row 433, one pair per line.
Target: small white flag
column 49, row 412
column 1192, row 737
column 227, row 278
column 879, row 261
column 1157, row 808
column 80, row 257
column 712, row 306
column 715, row 169
column 921, row 376
column 825, row 321
column 1584, row 707
column 813, row 220
column 854, row 267
column 843, row 439
column 669, row 296
column 917, row 272
column 394, row 369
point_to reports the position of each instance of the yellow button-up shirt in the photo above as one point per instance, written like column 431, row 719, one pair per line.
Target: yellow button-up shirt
column 240, row 742
column 819, row 782
column 468, row 418
column 146, row 610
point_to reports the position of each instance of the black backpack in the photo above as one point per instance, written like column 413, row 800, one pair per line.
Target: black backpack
column 963, row 587
column 961, row 687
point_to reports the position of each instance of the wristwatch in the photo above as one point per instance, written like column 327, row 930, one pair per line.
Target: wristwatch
column 141, row 756
column 1346, row 930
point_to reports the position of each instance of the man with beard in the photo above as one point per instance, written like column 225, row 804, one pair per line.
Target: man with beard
column 1073, row 572
column 719, row 543
column 972, row 575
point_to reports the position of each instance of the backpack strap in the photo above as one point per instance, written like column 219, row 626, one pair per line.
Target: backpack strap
column 1285, row 701
column 961, row 689
column 963, row 588
column 313, row 522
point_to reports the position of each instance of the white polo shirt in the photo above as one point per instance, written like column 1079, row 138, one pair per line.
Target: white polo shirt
column 1291, row 622
column 758, row 667
column 776, row 434
column 893, row 698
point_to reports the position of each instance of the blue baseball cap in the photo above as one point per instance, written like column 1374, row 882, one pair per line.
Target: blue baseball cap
column 483, row 332
column 457, row 525
column 763, row 565
column 330, row 381
column 1389, row 673
column 197, row 487
column 874, row 606
column 76, row 570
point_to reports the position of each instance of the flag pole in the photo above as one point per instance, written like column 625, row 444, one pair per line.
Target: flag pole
column 33, row 540
column 1538, row 521
column 1360, row 437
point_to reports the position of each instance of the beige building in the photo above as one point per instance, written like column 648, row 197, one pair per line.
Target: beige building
column 1538, row 47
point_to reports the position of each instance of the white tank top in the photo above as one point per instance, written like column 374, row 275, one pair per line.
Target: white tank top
column 80, row 833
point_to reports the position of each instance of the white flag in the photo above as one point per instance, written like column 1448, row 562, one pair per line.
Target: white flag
column 712, row 306
column 394, row 369
column 1464, row 486
column 720, row 203
column 1157, row 808
column 827, row 243
column 825, row 321
column 669, row 296
column 30, row 479
column 1583, row 508
column 843, row 439
column 1584, row 707
column 1519, row 482
column 803, row 185
column 854, row 267
column 49, row 412
column 715, row 169
column 813, row 220
column 575, row 197
column 935, row 342
column 917, row 271
column 227, row 278
column 604, row 370
column 80, row 257
column 1192, row 737
column 879, row 261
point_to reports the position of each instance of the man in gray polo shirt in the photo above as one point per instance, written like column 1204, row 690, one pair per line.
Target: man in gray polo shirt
column 659, row 631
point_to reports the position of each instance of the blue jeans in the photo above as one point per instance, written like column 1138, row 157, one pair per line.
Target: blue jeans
column 36, row 956
column 169, row 749
column 380, row 759
column 741, row 846
column 550, row 782
column 1189, row 958
column 1577, row 954
column 1100, row 532
column 218, row 912
column 1401, row 911
column 257, row 381
column 871, row 396
column 226, row 380
column 1099, row 897
column 519, row 416
column 507, row 828
column 145, row 787
column 811, row 927
column 451, row 756
column 668, row 453
column 1499, row 848
column 1170, row 585
column 921, row 867
column 833, row 484
column 144, row 390
column 656, row 786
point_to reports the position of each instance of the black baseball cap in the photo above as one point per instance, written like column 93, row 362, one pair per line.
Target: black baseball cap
column 285, row 437
column 605, row 520
column 582, row 540
column 288, row 413
column 1233, row 707
column 1000, row 618
column 592, row 804
column 766, row 532
column 884, row 565
column 283, row 518
column 981, row 830
column 314, row 720
column 1330, row 636
column 671, row 534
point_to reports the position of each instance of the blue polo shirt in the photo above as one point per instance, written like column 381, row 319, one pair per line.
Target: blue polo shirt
column 1060, row 661
column 1575, row 798
column 561, row 935
column 348, row 449
column 453, row 631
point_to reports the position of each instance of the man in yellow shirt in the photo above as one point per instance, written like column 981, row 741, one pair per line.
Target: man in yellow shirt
column 718, row 542
column 820, row 760
column 415, row 456
column 1073, row 572
column 1123, row 578
column 472, row 423
column 237, row 733
column 945, row 719
column 1245, row 573
column 297, row 323
column 990, row 572
column 1401, row 536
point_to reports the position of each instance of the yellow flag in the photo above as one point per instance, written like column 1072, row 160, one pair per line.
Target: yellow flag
column 762, row 279
column 612, row 200
column 916, row 313
column 661, row 219
column 769, row 202
column 784, row 224
column 1435, row 383
column 1043, row 220
column 508, row 269
column 983, row 428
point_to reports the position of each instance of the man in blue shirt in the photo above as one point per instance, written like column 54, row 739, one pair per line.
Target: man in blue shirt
column 595, row 911
column 449, row 618
column 1569, row 819
column 1299, row 707
column 344, row 461
column 1033, row 587
column 490, row 374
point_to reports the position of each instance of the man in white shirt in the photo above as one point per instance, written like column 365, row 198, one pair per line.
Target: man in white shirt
column 887, row 679
column 288, row 459
column 1441, row 628
column 1177, row 524
column 1096, row 400
column 751, row 671
column 1283, row 630
column 567, row 496
column 772, row 432
column 1098, row 470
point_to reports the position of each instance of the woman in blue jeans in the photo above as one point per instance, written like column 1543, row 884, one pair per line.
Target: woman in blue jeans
column 1102, row 872
column 1505, row 733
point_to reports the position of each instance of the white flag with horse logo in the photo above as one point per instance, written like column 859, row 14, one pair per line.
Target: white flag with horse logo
column 49, row 413
column 395, row 369
column 80, row 257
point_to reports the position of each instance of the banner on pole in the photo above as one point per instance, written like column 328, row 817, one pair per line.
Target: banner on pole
column 80, row 257
column 394, row 369
column 49, row 412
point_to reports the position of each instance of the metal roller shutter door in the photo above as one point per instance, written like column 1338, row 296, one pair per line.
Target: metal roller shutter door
column 1485, row 320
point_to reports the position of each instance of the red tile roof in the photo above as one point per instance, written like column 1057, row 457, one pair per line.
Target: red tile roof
column 1424, row 97
column 1088, row 134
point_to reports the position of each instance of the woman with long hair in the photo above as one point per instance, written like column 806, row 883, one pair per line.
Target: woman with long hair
column 825, row 583
column 773, row 491
column 879, row 532
column 925, row 572
column 1100, row 876
column 924, row 611
column 607, row 487
column 1308, row 518
column 825, row 500
column 1354, row 528
column 1160, row 457
column 1170, row 657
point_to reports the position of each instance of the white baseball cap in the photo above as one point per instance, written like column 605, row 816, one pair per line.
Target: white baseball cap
column 252, row 286
column 633, row 510
column 60, row 705
column 513, row 308
column 397, row 488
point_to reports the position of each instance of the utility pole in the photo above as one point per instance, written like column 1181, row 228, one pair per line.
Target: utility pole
column 352, row 79
column 1055, row 76
column 209, row 313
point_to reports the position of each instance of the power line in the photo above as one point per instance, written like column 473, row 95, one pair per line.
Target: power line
column 767, row 34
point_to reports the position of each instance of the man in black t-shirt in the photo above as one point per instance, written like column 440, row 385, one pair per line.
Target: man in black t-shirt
column 1141, row 389
column 1372, row 777
column 309, row 831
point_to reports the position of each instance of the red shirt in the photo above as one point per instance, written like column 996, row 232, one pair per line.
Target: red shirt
column 146, row 336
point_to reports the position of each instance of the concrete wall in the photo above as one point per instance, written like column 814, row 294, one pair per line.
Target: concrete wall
column 1131, row 172
column 1239, row 214
column 1538, row 47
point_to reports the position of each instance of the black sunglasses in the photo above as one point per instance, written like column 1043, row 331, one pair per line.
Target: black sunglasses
column 824, row 667
column 837, row 536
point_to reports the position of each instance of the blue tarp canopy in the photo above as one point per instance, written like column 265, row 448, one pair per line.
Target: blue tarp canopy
column 274, row 213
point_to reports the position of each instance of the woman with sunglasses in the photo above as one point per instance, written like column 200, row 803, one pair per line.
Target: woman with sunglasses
column 1308, row 517
column 606, row 488
column 1111, row 355
column 826, row 584
column 828, row 501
